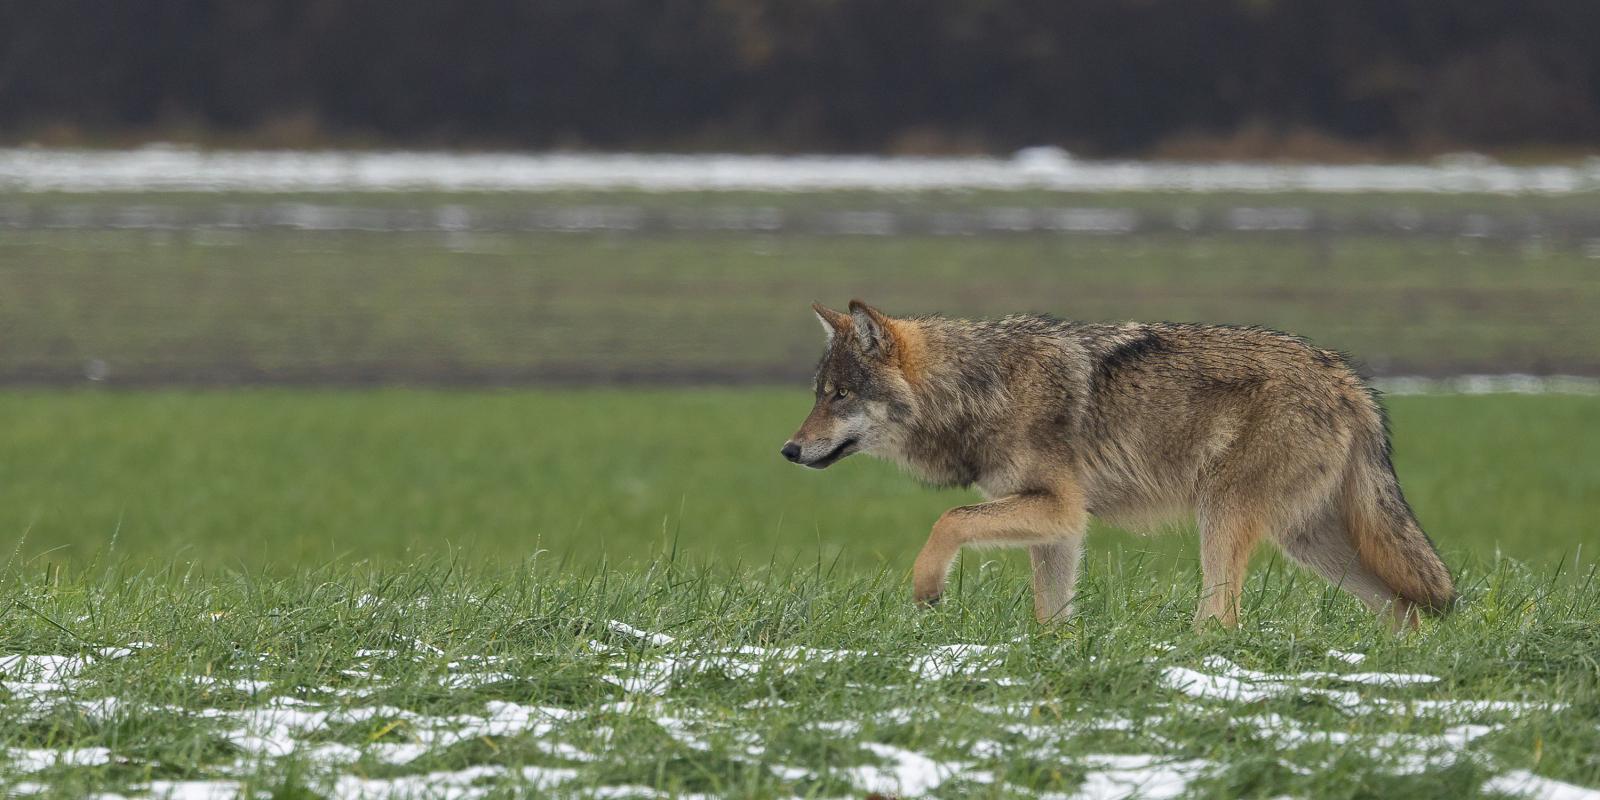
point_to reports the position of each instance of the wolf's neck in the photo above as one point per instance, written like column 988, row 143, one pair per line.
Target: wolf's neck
column 962, row 404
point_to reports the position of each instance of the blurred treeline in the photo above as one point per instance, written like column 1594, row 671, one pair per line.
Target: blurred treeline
column 1100, row 77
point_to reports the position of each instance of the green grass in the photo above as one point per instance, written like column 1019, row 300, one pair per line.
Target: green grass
column 275, row 479
column 776, row 682
column 409, row 593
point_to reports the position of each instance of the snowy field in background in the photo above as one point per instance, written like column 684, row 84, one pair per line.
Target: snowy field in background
column 163, row 167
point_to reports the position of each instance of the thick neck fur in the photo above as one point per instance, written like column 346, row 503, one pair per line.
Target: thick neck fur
column 963, row 382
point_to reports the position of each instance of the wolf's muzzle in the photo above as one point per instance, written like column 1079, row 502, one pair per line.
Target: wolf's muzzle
column 793, row 452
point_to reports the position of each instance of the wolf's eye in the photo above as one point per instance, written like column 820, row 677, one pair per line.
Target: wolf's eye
column 840, row 393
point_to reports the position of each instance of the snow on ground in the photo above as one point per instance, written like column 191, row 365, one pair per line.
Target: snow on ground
column 281, row 727
column 1489, row 384
column 164, row 167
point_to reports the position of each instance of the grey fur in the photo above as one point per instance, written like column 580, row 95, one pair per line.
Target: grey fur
column 1255, row 433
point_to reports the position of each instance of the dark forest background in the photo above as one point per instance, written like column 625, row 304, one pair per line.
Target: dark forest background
column 1200, row 78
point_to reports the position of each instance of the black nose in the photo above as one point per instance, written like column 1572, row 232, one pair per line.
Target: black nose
column 791, row 451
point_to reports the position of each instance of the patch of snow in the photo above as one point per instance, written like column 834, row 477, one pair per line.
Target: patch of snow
column 659, row 639
column 1148, row 777
column 620, row 792
column 442, row 785
column 548, row 777
column 180, row 169
column 1527, row 784
column 194, row 790
column 907, row 773
column 1348, row 658
column 944, row 661
column 1384, row 678
column 1216, row 687
column 1489, row 384
column 1468, row 708
column 41, row 669
column 30, row 760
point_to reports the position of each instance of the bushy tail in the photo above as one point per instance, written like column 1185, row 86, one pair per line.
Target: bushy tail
column 1388, row 539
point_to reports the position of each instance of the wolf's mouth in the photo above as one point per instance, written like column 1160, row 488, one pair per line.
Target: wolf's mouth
column 845, row 448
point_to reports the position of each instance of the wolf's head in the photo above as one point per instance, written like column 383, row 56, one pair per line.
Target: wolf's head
column 861, row 387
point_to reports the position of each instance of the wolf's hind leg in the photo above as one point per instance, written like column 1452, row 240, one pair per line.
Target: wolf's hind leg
column 1226, row 541
column 1053, row 521
column 1326, row 546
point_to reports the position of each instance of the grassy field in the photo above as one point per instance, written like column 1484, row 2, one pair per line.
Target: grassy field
column 444, row 679
column 275, row 479
column 613, row 593
column 216, row 305
column 496, row 593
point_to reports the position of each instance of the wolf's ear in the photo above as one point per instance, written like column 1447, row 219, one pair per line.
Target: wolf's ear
column 832, row 321
column 872, row 328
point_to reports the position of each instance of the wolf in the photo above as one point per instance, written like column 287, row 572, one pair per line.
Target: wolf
column 1256, row 433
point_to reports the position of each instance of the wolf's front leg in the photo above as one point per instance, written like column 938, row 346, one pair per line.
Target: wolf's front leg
column 1052, row 522
column 1055, row 572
